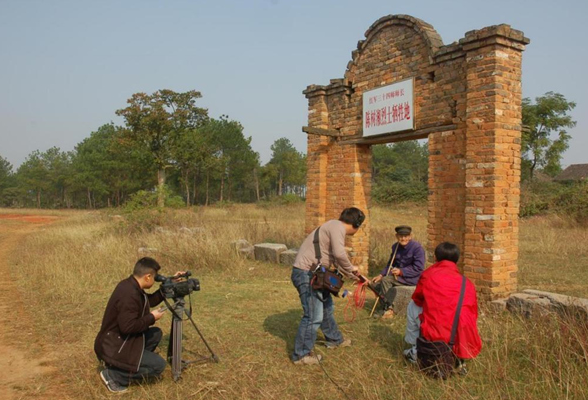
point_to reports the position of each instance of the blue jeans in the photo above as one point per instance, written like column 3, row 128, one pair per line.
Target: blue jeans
column 318, row 308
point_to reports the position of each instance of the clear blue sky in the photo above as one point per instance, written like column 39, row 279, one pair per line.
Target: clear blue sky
column 67, row 65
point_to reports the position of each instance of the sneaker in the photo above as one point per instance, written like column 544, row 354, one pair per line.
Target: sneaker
column 389, row 314
column 333, row 345
column 461, row 368
column 110, row 383
column 410, row 355
column 309, row 359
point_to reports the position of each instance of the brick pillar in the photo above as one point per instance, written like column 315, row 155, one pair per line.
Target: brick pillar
column 316, row 160
column 339, row 175
column 492, row 177
column 446, row 200
column 360, row 177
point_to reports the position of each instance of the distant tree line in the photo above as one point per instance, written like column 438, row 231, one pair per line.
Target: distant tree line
column 172, row 149
column 167, row 146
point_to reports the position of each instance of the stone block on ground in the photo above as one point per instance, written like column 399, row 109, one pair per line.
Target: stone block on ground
column 562, row 304
column 247, row 252
column 403, row 297
column 240, row 244
column 528, row 304
column 497, row 306
column 269, row 252
column 288, row 257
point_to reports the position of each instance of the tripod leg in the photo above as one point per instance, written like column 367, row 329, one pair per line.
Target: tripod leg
column 170, row 345
column 214, row 357
column 176, row 338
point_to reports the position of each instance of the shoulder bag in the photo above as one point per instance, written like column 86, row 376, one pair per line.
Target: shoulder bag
column 322, row 277
column 437, row 358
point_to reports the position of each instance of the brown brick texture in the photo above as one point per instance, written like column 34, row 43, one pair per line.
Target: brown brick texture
column 474, row 86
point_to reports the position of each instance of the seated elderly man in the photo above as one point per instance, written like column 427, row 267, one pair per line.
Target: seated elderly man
column 404, row 268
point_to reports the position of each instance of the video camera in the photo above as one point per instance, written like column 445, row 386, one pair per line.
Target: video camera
column 173, row 287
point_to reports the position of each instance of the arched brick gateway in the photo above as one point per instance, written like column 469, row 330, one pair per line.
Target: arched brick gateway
column 467, row 101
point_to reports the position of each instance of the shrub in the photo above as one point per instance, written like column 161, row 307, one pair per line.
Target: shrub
column 288, row 198
column 175, row 202
column 140, row 201
column 400, row 192
column 536, row 197
column 568, row 199
column 573, row 201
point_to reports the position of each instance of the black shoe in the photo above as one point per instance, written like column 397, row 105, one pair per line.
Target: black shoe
column 110, row 383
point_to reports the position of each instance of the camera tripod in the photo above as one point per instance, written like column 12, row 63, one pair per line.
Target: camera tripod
column 174, row 350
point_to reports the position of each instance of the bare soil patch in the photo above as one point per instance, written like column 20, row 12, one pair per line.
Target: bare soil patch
column 28, row 366
column 36, row 219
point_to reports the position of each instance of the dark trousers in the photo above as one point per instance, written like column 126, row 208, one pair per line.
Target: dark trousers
column 387, row 288
column 152, row 365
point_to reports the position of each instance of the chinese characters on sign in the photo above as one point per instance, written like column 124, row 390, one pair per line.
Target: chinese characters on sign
column 388, row 109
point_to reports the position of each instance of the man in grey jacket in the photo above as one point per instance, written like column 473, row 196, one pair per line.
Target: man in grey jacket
column 317, row 305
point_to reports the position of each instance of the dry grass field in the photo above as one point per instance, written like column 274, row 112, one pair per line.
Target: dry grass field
column 249, row 311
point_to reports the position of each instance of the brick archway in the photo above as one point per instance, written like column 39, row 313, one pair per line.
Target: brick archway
column 467, row 102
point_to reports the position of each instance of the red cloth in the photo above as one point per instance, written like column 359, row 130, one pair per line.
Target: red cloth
column 437, row 292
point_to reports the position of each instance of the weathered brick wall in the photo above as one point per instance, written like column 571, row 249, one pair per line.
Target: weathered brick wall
column 493, row 118
column 474, row 170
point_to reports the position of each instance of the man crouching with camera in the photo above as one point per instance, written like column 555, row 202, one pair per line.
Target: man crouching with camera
column 126, row 341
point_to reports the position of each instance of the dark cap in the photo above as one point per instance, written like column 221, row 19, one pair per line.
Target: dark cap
column 403, row 230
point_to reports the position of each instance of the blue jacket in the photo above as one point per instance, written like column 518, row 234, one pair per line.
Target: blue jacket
column 411, row 261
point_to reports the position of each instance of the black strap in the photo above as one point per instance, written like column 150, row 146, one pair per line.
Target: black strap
column 457, row 312
column 317, row 246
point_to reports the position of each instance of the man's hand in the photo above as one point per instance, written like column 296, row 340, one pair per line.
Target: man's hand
column 157, row 314
column 396, row 272
column 178, row 274
column 354, row 274
column 377, row 279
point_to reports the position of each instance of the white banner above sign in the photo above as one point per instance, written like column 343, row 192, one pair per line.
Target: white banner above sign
column 389, row 108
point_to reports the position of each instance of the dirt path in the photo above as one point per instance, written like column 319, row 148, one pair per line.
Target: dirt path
column 27, row 368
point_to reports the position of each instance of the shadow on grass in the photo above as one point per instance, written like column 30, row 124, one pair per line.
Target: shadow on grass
column 284, row 326
column 388, row 338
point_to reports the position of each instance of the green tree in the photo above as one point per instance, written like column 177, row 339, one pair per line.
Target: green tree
column 548, row 116
column 33, row 176
column 46, row 177
column 191, row 154
column 107, row 167
column 290, row 165
column 267, row 176
column 6, row 181
column 402, row 162
column 400, row 172
column 157, row 121
column 233, row 161
column 92, row 163
column 58, row 165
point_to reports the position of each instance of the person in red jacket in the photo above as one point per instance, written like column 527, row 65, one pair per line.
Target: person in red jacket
column 437, row 294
